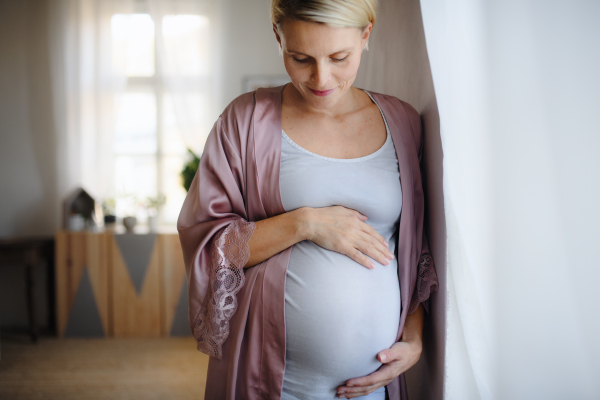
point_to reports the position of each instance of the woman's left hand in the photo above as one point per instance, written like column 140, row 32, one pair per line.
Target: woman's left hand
column 396, row 360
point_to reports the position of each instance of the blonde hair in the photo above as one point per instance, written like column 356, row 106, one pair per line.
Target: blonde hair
column 335, row 13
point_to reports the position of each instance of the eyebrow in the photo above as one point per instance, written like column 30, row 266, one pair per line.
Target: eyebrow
column 335, row 52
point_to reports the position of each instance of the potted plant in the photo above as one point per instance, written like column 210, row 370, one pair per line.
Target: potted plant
column 108, row 210
column 152, row 206
column 189, row 171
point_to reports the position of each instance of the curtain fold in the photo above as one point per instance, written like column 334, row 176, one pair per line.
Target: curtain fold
column 85, row 86
column 455, row 36
column 190, row 83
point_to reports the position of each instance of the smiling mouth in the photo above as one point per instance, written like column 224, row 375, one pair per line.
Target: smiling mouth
column 322, row 93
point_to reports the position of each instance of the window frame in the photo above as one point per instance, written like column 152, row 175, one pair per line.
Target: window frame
column 156, row 84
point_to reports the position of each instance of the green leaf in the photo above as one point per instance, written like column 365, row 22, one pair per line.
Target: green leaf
column 189, row 171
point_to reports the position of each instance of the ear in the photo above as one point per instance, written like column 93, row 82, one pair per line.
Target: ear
column 277, row 36
column 366, row 33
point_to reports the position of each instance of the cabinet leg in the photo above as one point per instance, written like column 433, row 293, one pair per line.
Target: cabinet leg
column 31, row 303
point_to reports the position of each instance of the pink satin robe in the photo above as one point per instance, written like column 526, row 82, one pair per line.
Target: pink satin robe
column 236, row 315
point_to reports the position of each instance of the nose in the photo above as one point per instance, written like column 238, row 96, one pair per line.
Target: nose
column 320, row 75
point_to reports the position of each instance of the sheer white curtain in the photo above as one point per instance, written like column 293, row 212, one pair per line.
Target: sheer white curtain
column 188, row 55
column 85, row 85
column 455, row 36
column 135, row 85
column 517, row 86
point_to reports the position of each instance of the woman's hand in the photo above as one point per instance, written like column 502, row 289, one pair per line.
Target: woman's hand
column 344, row 230
column 396, row 360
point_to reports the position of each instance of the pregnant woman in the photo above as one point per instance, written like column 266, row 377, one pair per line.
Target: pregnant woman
column 308, row 269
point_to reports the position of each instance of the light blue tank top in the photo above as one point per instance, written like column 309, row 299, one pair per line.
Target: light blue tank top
column 339, row 314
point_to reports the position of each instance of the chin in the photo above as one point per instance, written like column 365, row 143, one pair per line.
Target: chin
column 322, row 102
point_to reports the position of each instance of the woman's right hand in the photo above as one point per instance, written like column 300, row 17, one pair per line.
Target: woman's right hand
column 345, row 231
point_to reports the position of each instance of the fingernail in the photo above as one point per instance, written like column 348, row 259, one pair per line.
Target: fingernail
column 386, row 243
column 382, row 357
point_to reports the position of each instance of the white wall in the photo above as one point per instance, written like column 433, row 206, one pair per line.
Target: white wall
column 544, row 65
column 249, row 45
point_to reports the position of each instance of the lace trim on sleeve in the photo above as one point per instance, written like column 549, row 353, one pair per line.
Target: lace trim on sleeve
column 230, row 253
column 427, row 282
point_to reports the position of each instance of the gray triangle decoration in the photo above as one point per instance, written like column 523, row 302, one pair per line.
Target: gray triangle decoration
column 136, row 251
column 84, row 318
column 181, row 324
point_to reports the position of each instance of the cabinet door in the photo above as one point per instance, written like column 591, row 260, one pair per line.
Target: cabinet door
column 175, row 320
column 135, row 285
column 82, row 271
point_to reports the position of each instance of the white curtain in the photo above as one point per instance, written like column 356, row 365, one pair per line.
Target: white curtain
column 455, row 36
column 190, row 80
column 517, row 87
column 85, row 86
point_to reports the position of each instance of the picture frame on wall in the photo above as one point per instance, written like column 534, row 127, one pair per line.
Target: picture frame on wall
column 253, row 82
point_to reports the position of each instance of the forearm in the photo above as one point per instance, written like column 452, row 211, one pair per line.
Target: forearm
column 275, row 234
column 413, row 327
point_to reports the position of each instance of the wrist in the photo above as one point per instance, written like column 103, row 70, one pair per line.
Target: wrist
column 415, row 349
column 303, row 225
column 414, row 340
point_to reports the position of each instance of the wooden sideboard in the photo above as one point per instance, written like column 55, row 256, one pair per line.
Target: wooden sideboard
column 120, row 285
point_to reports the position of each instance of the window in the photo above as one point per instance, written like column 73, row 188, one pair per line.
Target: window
column 166, row 63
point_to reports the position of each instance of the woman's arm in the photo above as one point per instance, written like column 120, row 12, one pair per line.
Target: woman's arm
column 396, row 360
column 275, row 234
column 334, row 228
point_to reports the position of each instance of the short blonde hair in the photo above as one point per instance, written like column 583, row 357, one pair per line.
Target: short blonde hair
column 335, row 13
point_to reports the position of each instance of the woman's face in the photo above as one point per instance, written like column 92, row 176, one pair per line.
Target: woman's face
column 321, row 61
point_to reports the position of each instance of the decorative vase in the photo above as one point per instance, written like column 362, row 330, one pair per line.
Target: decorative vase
column 153, row 223
column 76, row 223
column 129, row 223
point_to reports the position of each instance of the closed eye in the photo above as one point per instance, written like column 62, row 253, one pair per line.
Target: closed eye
column 302, row 60
column 339, row 59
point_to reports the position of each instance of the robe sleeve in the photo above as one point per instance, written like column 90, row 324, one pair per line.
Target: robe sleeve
column 214, row 232
column 427, row 280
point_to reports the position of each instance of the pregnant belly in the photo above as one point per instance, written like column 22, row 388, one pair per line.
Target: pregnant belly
column 339, row 315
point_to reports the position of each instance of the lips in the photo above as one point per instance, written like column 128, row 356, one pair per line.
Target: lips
column 322, row 93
